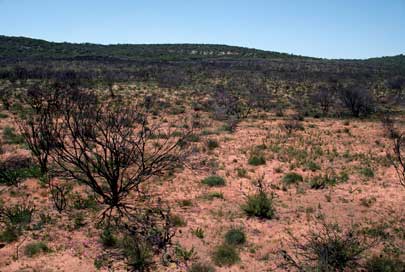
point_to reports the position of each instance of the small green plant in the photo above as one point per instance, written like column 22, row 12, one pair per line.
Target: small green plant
column 177, row 220
column 327, row 247
column 214, row 181
column 79, row 220
column 194, row 138
column 235, row 236
column 185, row 203
column 198, row 232
column 9, row 234
column 242, row 173
column 368, row 201
column 200, row 267
column 321, row 182
column 83, row 203
column 225, row 255
column 257, row 160
column 367, row 172
column 16, row 169
column 107, row 238
column 35, row 248
column 212, row 144
column 10, row 137
column 138, row 254
column 313, row 166
column 259, row 205
column 19, row 215
column 292, row 178
column 184, row 254
column 213, row 195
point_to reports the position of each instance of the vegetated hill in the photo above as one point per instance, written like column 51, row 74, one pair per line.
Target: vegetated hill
column 22, row 47
column 184, row 64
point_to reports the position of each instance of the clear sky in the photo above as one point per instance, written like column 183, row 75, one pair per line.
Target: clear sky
column 319, row 28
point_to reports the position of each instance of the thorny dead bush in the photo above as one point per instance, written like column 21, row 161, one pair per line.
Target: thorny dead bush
column 229, row 107
column 397, row 154
column 359, row 101
column 112, row 148
column 59, row 195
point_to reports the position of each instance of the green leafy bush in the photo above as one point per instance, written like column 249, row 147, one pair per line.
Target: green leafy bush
column 35, row 248
column 321, row 182
column 313, row 166
column 107, row 238
column 177, row 220
column 235, row 236
column 214, row 181
column 257, row 160
column 367, row 172
column 10, row 137
column 212, row 144
column 9, row 234
column 225, row 255
column 292, row 178
column 138, row 254
column 259, row 205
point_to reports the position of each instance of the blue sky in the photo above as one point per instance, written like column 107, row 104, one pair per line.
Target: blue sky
column 319, row 28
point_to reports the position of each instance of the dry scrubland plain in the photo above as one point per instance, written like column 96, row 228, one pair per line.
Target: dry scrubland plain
column 327, row 170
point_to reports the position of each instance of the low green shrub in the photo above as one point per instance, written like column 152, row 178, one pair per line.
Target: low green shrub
column 257, row 160
column 200, row 267
column 225, row 255
column 235, row 236
column 292, row 178
column 259, row 205
column 35, row 248
column 214, row 181
column 385, row 264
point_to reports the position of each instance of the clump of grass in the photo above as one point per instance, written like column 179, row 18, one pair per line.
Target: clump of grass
column 18, row 215
column 10, row 137
column 198, row 232
column 313, row 166
column 138, row 254
column 235, row 236
column 200, row 267
column 214, row 181
column 257, row 160
column 212, row 144
column 328, row 248
column 194, row 138
column 321, row 182
column 178, row 221
column 225, row 255
column 9, row 234
column 292, row 178
column 385, row 264
column 367, row 172
column 16, row 169
column 35, row 248
column 242, row 173
column 107, row 238
column 259, row 205
column 185, row 203
column 213, row 195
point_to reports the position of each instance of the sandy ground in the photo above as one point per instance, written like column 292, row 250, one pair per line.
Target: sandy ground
column 335, row 145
